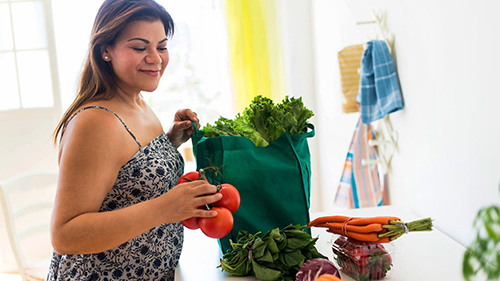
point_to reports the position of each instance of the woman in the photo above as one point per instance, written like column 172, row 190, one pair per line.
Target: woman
column 118, row 210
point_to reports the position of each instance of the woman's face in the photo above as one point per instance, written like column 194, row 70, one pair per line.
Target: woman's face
column 139, row 56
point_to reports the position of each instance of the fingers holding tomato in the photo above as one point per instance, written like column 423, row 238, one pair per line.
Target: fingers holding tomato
column 224, row 201
column 230, row 197
column 192, row 222
column 190, row 199
column 218, row 226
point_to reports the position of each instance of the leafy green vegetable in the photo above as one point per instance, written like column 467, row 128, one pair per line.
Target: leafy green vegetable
column 277, row 255
column 237, row 262
column 484, row 254
column 263, row 121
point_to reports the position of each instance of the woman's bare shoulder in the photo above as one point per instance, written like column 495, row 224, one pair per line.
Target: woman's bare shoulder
column 91, row 121
column 97, row 133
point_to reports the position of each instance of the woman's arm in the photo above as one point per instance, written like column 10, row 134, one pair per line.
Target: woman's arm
column 94, row 147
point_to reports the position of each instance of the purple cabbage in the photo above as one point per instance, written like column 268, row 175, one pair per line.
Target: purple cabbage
column 313, row 268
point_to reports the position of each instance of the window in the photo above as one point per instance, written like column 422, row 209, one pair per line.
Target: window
column 26, row 55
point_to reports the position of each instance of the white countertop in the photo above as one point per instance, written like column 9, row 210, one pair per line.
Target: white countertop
column 418, row 255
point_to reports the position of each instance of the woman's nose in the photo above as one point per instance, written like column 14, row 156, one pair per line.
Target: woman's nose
column 154, row 58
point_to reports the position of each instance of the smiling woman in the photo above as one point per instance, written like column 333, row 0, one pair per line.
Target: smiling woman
column 196, row 76
column 118, row 206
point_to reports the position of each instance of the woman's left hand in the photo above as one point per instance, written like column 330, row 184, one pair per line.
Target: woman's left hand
column 181, row 128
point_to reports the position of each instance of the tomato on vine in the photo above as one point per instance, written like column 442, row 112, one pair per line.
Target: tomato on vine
column 230, row 197
column 189, row 177
column 191, row 223
column 218, row 226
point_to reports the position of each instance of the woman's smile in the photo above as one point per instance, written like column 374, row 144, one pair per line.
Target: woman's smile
column 154, row 73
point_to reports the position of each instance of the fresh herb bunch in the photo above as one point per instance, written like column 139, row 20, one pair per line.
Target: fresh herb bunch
column 484, row 253
column 263, row 121
column 277, row 255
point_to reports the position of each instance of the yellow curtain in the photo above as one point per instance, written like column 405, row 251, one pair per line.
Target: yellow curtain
column 254, row 51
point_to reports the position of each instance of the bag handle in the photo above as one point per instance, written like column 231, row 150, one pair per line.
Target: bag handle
column 194, row 126
column 311, row 133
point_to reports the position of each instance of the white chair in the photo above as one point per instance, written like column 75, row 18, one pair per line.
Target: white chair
column 27, row 201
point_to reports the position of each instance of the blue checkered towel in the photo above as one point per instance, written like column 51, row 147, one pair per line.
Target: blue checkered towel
column 379, row 92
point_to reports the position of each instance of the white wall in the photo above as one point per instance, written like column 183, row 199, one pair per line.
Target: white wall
column 448, row 162
column 295, row 20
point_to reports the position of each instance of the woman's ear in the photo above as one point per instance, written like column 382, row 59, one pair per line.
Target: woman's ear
column 105, row 54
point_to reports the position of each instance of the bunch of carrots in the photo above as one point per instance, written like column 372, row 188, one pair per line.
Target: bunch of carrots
column 381, row 229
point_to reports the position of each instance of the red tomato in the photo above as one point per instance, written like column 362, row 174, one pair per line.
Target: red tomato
column 191, row 223
column 218, row 226
column 230, row 198
column 189, row 177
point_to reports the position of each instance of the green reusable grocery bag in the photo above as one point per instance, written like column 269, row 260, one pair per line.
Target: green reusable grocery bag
column 274, row 181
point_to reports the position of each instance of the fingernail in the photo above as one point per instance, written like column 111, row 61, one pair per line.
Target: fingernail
column 219, row 195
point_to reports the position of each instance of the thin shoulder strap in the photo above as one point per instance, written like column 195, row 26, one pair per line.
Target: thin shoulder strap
column 103, row 108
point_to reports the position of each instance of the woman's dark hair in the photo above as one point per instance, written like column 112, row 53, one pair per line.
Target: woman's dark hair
column 98, row 80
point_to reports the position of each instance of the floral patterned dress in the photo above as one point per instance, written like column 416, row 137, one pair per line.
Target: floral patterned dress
column 153, row 255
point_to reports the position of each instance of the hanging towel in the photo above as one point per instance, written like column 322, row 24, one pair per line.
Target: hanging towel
column 349, row 64
column 361, row 185
column 379, row 92
column 344, row 197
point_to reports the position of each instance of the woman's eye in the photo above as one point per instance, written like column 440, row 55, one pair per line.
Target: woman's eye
column 162, row 49
column 139, row 49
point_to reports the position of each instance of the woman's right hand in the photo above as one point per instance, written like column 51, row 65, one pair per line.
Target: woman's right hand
column 183, row 200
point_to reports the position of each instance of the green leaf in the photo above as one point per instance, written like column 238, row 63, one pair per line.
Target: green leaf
column 264, row 273
column 267, row 257
column 483, row 254
column 296, row 243
column 236, row 263
column 283, row 243
column 491, row 232
column 296, row 233
column 259, row 248
column 293, row 258
column 271, row 245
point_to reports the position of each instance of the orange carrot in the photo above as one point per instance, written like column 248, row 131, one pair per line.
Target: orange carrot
column 381, row 220
column 353, row 220
column 384, row 240
column 326, row 219
column 327, row 277
column 373, row 227
column 368, row 237
column 365, row 237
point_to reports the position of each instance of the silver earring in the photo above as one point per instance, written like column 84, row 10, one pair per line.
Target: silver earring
column 106, row 58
